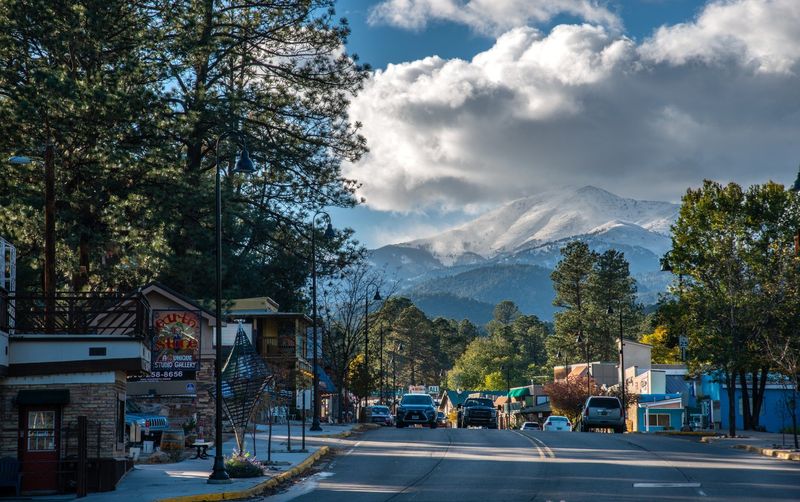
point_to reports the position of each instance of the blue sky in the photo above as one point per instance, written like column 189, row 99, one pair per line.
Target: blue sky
column 615, row 94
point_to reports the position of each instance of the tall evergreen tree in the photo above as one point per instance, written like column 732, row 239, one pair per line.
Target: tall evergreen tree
column 76, row 75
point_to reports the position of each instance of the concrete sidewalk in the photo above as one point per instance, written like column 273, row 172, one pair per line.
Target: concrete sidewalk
column 186, row 481
column 764, row 443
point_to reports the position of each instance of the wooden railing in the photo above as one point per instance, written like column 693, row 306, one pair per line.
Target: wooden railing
column 79, row 314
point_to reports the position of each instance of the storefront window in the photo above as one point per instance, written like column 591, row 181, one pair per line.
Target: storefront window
column 41, row 430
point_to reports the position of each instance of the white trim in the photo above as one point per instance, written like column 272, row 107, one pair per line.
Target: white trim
column 62, row 378
column 656, row 404
column 212, row 321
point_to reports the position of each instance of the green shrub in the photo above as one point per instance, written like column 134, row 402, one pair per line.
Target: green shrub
column 241, row 465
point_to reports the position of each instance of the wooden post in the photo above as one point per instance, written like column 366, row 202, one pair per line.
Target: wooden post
column 82, row 457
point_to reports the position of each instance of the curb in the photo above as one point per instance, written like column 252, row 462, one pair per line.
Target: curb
column 342, row 435
column 770, row 452
column 257, row 489
column 701, row 434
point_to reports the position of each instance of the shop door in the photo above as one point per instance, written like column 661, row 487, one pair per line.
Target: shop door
column 39, row 447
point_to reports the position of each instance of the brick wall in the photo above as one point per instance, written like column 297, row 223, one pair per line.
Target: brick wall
column 97, row 401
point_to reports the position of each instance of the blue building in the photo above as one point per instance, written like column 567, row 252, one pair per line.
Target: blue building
column 775, row 410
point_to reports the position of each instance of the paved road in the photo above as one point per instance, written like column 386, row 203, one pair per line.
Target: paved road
column 482, row 465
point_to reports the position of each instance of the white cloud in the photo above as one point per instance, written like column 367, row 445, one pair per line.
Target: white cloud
column 761, row 33
column 714, row 98
column 487, row 16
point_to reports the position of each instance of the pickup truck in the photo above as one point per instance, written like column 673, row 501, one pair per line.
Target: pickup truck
column 477, row 411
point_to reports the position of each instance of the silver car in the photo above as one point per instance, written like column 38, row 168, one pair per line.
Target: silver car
column 602, row 412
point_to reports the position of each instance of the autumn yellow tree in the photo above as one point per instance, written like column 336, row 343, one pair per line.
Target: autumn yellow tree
column 662, row 353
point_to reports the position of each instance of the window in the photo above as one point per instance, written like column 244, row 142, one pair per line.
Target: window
column 659, row 420
column 41, row 430
column 542, row 400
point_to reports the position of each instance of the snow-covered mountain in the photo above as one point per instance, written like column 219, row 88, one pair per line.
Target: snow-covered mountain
column 507, row 253
column 552, row 216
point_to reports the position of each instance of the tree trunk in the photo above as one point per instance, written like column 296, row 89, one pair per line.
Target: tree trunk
column 730, row 381
column 747, row 419
column 759, row 388
column 794, row 415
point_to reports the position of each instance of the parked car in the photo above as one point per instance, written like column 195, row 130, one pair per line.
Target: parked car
column 379, row 414
column 602, row 412
column 557, row 423
column 477, row 411
column 416, row 409
column 530, row 426
column 150, row 423
column 441, row 418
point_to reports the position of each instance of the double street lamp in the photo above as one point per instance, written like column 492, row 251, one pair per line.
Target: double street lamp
column 243, row 165
column 329, row 234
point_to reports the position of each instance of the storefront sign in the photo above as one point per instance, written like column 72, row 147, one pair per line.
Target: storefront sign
column 176, row 346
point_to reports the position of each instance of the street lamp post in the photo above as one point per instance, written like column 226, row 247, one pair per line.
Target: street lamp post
column 621, row 359
column 243, row 165
column 377, row 297
column 507, row 369
column 49, row 269
column 381, row 365
column 315, row 381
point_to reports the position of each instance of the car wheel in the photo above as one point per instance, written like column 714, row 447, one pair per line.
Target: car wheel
column 399, row 424
column 493, row 426
column 434, row 425
column 619, row 430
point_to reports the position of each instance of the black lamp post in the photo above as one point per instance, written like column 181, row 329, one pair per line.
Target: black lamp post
column 377, row 297
column 381, row 365
column 329, row 234
column 49, row 269
column 507, row 369
column 621, row 359
column 243, row 165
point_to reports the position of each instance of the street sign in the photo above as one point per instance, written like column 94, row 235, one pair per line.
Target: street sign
column 683, row 342
column 433, row 389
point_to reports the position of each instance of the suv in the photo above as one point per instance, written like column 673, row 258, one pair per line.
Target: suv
column 379, row 414
column 477, row 411
column 416, row 409
column 602, row 412
column 153, row 423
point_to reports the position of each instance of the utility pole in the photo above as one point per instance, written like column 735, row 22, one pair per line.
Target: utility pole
column 49, row 238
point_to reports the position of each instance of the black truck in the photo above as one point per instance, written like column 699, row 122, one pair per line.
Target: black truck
column 477, row 411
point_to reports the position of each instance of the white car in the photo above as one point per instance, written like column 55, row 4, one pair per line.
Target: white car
column 530, row 426
column 557, row 423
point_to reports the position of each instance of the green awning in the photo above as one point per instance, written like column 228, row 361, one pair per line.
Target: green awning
column 32, row 397
column 519, row 392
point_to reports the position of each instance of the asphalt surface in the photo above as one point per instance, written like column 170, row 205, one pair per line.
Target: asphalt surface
column 481, row 465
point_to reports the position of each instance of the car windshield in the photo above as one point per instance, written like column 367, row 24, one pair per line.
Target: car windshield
column 131, row 407
column 417, row 399
column 479, row 402
column 380, row 409
column 604, row 402
column 558, row 419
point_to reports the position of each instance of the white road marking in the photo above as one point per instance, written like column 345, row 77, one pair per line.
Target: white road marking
column 351, row 449
column 702, row 493
column 666, row 485
column 543, row 449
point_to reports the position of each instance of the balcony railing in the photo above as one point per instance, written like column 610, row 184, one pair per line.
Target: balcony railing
column 79, row 314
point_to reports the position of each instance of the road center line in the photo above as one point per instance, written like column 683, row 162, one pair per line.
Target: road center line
column 351, row 449
column 666, row 485
column 543, row 449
